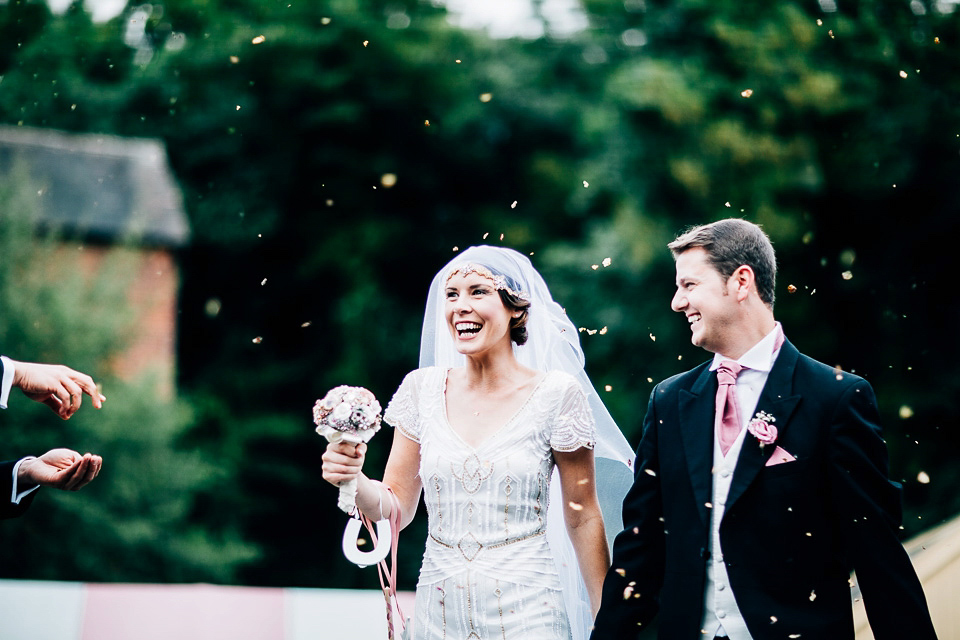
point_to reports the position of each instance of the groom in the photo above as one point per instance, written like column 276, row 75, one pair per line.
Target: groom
column 761, row 479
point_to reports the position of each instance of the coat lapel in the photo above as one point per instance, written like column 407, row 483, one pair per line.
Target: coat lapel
column 776, row 399
column 696, row 428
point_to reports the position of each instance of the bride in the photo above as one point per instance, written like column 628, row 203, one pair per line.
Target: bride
column 500, row 417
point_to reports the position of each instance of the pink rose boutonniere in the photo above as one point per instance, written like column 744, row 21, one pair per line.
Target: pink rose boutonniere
column 762, row 428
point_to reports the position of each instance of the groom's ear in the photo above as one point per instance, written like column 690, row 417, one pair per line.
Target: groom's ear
column 743, row 281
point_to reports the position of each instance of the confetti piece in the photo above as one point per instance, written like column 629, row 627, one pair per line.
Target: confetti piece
column 585, row 184
column 234, row 59
column 903, row 74
column 485, row 235
column 649, row 379
column 830, row 33
column 258, row 40
column 514, row 205
column 583, row 481
column 847, row 275
column 388, row 180
column 305, row 324
column 576, row 506
column 653, row 337
column 627, row 593
column 456, row 248
column 238, row 107
column 366, row 42
column 726, row 204
column 923, row 478
column 773, row 619
column 361, row 542
column 486, row 97
column 606, row 262
column 708, row 505
column 594, row 266
column 621, row 572
column 324, row 21
column 329, row 203
column 426, row 123
column 257, row 340
column 263, row 282
column 906, row 412
column 603, row 331
column 608, row 387
column 791, row 288
column 936, row 40
column 746, row 93
column 819, row 22
column 650, row 472
column 501, row 237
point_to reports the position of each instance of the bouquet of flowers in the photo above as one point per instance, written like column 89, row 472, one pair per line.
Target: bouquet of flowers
column 350, row 414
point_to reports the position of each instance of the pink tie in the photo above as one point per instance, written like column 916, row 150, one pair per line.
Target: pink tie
column 728, row 410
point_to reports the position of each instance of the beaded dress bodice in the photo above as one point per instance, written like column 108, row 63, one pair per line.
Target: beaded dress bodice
column 487, row 505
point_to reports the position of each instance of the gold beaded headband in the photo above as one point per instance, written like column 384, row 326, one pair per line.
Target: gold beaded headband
column 499, row 281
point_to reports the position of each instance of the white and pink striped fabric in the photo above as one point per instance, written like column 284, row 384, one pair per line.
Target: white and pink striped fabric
column 32, row 610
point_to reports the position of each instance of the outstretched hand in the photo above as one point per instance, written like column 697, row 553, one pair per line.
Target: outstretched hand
column 59, row 387
column 61, row 469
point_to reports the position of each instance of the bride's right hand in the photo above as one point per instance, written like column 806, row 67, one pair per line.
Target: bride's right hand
column 342, row 462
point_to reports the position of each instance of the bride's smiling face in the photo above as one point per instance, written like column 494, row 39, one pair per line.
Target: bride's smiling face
column 475, row 313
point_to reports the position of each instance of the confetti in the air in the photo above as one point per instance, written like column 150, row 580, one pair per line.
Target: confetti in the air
column 726, row 204
column 903, row 74
column 455, row 249
column 576, row 506
column 791, row 288
column 603, row 330
column 426, row 123
column 366, row 42
column 305, row 324
column 608, row 387
column 813, row 596
column 653, row 337
column 501, row 237
column 324, row 21
column 514, row 205
column 650, row 472
column 906, row 412
column 621, row 572
column 257, row 340
column 485, row 235
column 606, row 262
column 263, row 282
column 259, row 40
column 847, row 275
column 458, row 61
column 594, row 266
column 585, row 184
column 923, row 478
column 329, row 202
column 234, row 59
column 486, row 97
column 388, row 180
column 746, row 93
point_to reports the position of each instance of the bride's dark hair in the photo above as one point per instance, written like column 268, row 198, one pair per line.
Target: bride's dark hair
column 518, row 325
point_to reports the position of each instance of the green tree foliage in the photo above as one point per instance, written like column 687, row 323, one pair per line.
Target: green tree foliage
column 334, row 153
column 133, row 522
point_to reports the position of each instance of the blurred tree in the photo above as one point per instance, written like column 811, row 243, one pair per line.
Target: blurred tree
column 132, row 523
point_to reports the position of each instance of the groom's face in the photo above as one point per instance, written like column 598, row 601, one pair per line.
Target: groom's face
column 707, row 301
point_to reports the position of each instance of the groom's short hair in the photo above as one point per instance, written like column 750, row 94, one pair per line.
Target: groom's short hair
column 731, row 243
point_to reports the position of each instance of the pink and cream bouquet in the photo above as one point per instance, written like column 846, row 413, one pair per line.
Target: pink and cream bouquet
column 349, row 414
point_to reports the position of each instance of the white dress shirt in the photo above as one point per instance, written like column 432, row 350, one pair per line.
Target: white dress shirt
column 721, row 615
column 6, row 383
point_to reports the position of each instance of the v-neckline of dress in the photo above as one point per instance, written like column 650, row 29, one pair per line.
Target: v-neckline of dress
column 501, row 428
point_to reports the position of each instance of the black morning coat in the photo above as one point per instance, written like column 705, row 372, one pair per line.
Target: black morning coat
column 791, row 533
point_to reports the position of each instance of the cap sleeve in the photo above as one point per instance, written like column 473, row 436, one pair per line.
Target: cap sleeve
column 573, row 426
column 403, row 411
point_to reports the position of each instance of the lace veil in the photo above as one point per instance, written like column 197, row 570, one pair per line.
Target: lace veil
column 553, row 343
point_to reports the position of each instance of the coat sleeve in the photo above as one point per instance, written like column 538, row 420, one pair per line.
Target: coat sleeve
column 631, row 588
column 867, row 506
column 8, row 509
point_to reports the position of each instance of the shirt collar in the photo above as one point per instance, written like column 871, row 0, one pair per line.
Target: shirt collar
column 759, row 357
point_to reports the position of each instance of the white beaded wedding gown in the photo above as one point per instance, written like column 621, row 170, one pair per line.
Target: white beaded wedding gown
column 487, row 570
